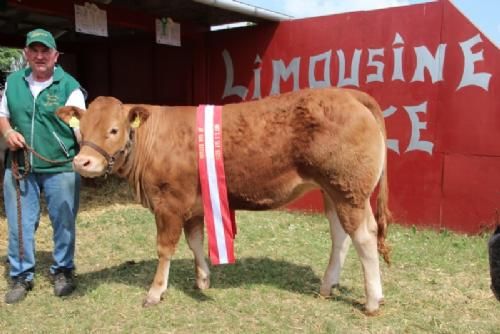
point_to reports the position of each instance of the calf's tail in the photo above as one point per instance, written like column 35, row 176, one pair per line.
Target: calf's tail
column 383, row 216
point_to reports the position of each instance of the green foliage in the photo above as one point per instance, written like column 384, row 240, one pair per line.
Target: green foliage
column 7, row 57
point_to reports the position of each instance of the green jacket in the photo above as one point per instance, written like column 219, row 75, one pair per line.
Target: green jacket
column 37, row 121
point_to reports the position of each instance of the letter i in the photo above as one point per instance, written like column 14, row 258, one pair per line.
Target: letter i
column 398, row 58
column 256, row 79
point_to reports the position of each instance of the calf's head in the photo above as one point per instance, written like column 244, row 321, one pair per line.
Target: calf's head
column 105, row 128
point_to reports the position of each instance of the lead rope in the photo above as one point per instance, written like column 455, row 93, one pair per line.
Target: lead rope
column 20, row 176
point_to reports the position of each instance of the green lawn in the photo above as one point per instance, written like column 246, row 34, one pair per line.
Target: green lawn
column 437, row 283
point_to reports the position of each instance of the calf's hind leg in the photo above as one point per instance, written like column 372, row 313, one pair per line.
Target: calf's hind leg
column 362, row 227
column 193, row 230
column 340, row 246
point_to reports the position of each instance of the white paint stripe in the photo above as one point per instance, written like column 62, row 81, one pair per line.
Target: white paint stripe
column 212, row 184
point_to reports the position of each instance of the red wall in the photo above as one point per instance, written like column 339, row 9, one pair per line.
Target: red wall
column 443, row 118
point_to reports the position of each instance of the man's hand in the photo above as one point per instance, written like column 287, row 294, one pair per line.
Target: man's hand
column 14, row 139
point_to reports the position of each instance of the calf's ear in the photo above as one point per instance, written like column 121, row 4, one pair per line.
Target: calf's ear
column 137, row 115
column 66, row 113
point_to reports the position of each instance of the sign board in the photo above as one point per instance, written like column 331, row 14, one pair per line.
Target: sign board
column 168, row 32
column 89, row 19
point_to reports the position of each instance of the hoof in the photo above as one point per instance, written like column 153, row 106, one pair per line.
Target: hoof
column 373, row 310
column 149, row 301
column 320, row 296
column 325, row 292
column 203, row 283
column 372, row 313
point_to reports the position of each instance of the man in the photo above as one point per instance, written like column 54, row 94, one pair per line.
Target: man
column 27, row 118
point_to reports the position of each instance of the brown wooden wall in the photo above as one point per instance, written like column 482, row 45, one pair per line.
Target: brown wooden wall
column 136, row 71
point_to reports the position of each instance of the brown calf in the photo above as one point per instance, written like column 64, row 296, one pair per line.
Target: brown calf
column 275, row 149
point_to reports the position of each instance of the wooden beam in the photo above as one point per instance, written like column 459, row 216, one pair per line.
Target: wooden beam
column 117, row 16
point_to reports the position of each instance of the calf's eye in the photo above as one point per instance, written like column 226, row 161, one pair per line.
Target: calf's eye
column 113, row 131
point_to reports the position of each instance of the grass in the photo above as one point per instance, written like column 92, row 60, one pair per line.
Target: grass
column 438, row 282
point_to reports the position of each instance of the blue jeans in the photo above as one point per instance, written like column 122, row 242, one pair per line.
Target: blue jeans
column 62, row 195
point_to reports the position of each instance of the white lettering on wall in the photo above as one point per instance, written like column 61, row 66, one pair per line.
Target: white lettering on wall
column 416, row 125
column 415, row 144
column 434, row 65
column 280, row 71
column 379, row 65
column 354, row 79
column 325, row 58
column 229, row 89
column 398, row 73
column 425, row 61
column 469, row 77
column 392, row 144
column 256, row 79
column 320, row 69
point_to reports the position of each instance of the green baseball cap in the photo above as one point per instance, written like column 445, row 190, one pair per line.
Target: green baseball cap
column 41, row 36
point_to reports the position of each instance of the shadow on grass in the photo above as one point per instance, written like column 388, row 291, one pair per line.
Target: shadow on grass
column 246, row 272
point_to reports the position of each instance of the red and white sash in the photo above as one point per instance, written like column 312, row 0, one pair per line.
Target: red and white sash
column 219, row 220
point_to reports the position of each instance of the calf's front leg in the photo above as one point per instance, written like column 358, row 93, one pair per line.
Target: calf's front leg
column 168, row 229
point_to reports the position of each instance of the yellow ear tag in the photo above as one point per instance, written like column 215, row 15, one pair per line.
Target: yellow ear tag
column 137, row 121
column 74, row 122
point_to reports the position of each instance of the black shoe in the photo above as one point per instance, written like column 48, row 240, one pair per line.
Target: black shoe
column 18, row 291
column 64, row 282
